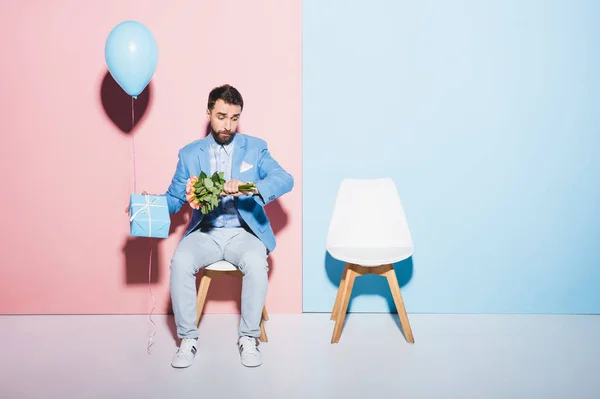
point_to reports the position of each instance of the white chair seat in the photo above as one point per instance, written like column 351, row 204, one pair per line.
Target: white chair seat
column 222, row 266
column 370, row 256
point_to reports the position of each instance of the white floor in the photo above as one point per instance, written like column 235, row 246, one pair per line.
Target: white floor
column 454, row 356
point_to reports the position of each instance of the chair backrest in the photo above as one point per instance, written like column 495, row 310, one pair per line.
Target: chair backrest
column 368, row 213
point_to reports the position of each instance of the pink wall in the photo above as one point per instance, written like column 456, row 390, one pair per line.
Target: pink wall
column 66, row 164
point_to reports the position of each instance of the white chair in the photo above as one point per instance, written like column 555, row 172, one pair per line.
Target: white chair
column 222, row 268
column 369, row 232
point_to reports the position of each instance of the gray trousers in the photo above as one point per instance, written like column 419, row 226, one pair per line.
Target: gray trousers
column 204, row 247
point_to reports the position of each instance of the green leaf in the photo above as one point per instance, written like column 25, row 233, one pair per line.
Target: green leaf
column 202, row 176
column 208, row 183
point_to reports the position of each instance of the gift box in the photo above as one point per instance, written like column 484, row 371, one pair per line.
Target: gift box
column 149, row 216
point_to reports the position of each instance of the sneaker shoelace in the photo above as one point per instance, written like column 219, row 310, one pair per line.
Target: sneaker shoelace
column 185, row 347
column 248, row 346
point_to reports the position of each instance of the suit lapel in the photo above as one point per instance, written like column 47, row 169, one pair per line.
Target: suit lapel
column 239, row 153
column 203, row 157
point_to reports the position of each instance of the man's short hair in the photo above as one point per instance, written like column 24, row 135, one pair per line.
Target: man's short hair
column 227, row 93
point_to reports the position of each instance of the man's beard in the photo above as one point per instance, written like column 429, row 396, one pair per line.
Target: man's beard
column 223, row 137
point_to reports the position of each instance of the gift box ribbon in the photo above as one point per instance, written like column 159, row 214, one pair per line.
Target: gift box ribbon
column 144, row 207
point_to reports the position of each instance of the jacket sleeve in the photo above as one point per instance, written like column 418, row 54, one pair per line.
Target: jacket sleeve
column 274, row 180
column 176, row 191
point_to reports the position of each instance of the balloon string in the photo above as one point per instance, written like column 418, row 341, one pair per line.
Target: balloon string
column 150, row 343
column 133, row 144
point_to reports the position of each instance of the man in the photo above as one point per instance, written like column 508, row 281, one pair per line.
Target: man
column 238, row 231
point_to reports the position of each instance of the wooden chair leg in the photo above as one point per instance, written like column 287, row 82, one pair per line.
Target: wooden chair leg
column 265, row 315
column 345, row 299
column 263, row 332
column 345, row 291
column 338, row 297
column 202, row 292
column 395, row 288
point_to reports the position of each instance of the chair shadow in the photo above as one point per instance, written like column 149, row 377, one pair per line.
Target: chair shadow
column 371, row 284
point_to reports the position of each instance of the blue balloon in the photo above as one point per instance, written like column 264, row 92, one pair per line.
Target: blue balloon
column 131, row 55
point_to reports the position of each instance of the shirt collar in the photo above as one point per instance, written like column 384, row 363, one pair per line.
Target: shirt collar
column 228, row 147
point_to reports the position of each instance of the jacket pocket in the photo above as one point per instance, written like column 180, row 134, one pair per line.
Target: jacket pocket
column 248, row 207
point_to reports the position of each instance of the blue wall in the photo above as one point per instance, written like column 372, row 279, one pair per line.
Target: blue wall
column 487, row 116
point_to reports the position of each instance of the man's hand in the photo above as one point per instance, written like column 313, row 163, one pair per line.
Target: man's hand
column 232, row 188
column 127, row 207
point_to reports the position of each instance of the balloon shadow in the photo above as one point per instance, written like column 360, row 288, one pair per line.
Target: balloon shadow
column 117, row 104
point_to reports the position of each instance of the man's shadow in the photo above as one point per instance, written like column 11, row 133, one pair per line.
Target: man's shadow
column 370, row 284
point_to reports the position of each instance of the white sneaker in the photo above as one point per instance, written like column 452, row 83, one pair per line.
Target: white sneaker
column 185, row 354
column 249, row 353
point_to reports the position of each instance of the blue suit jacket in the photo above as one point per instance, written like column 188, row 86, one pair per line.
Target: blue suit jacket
column 271, row 180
